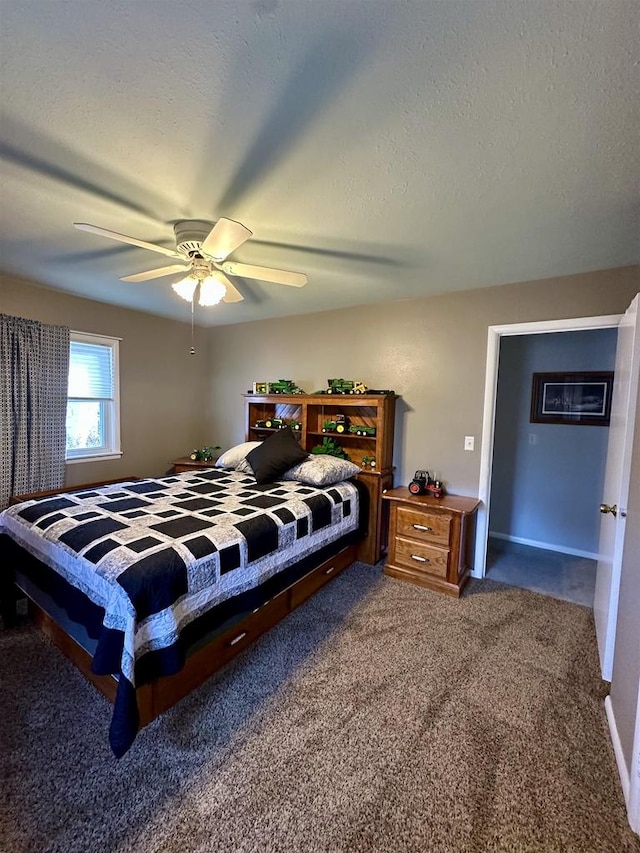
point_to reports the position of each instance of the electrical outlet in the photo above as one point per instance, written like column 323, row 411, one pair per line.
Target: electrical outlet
column 469, row 442
column 533, row 438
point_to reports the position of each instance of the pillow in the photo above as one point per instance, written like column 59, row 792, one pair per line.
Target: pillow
column 322, row 470
column 244, row 468
column 275, row 455
column 231, row 457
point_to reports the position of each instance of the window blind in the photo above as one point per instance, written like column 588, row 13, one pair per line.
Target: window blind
column 90, row 372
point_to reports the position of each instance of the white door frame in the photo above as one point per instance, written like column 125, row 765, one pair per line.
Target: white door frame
column 489, row 415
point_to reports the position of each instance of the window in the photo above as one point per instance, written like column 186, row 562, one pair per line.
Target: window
column 93, row 410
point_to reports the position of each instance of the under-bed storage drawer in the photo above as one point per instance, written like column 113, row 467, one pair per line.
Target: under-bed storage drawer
column 320, row 576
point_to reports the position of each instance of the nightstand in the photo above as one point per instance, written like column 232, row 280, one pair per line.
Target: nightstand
column 185, row 463
column 431, row 539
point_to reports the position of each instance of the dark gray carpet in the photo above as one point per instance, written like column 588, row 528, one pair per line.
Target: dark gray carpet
column 549, row 572
column 378, row 717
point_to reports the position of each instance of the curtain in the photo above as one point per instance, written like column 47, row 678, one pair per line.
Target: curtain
column 34, row 365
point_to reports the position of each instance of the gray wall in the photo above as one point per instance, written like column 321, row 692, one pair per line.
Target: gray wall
column 431, row 351
column 162, row 388
column 548, row 492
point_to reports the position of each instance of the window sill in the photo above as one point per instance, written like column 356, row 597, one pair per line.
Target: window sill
column 96, row 457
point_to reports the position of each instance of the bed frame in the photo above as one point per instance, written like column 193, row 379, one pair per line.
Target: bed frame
column 158, row 696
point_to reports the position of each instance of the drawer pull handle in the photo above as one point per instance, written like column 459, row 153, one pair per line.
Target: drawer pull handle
column 329, row 570
column 423, row 527
column 238, row 638
column 419, row 559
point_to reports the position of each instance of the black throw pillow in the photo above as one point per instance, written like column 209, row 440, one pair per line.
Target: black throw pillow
column 276, row 455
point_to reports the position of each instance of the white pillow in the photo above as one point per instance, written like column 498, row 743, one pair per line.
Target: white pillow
column 234, row 455
column 321, row 470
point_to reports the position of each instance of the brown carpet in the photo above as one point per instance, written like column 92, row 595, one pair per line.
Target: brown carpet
column 377, row 717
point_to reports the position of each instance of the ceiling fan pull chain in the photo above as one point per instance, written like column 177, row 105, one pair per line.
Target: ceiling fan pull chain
column 192, row 351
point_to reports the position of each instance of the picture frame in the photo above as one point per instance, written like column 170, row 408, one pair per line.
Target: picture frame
column 260, row 387
column 572, row 398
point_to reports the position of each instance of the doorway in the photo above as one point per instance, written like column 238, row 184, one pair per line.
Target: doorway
column 547, row 478
column 495, row 335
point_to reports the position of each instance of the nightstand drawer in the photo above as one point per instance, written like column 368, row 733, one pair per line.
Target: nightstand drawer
column 421, row 557
column 424, row 526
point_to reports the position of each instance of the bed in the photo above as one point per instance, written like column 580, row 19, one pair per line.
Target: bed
column 150, row 585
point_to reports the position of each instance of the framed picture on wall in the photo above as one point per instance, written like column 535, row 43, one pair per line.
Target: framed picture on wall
column 571, row 398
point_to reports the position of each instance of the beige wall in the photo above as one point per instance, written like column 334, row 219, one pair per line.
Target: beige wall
column 431, row 351
column 162, row 387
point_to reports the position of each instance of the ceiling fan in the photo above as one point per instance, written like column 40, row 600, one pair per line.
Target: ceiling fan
column 201, row 252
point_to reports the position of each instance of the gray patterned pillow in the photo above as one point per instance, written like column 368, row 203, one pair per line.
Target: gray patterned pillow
column 244, row 467
column 321, row 470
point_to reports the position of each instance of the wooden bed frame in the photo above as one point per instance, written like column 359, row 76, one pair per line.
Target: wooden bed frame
column 158, row 696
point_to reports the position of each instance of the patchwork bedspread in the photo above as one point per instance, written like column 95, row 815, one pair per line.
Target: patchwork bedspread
column 156, row 554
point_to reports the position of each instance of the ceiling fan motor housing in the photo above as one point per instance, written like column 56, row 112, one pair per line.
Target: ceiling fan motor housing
column 190, row 234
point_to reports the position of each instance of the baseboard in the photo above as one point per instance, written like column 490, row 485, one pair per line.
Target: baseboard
column 623, row 770
column 545, row 546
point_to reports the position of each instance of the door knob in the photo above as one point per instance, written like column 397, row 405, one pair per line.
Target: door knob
column 605, row 508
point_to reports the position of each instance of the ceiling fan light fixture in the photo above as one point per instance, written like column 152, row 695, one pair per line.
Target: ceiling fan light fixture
column 212, row 291
column 186, row 287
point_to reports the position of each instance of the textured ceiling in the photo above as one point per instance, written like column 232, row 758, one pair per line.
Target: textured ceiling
column 387, row 149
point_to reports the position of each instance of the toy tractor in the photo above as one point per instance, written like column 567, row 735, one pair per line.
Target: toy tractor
column 362, row 429
column 205, row 454
column 338, row 424
column 284, row 386
column 345, row 386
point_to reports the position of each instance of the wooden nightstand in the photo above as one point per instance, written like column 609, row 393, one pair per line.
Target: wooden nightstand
column 431, row 539
column 187, row 464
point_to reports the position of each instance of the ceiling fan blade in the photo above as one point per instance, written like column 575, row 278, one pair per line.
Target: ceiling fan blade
column 225, row 236
column 147, row 275
column 293, row 279
column 232, row 294
column 123, row 238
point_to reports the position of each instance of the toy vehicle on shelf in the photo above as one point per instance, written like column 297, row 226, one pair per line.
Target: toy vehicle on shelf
column 368, row 462
column 284, row 386
column 345, row 386
column 270, row 423
column 296, row 426
column 205, row 454
column 338, row 424
column 362, row 429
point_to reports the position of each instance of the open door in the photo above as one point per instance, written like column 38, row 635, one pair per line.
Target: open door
column 616, row 484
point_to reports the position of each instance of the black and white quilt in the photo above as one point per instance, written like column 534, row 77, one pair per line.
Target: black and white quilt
column 156, row 554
